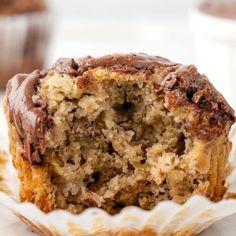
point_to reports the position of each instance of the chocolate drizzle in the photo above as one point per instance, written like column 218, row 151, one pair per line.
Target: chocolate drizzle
column 26, row 111
column 186, row 89
column 124, row 63
column 66, row 66
column 183, row 88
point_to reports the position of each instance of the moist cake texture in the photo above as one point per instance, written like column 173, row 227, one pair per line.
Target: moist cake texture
column 116, row 131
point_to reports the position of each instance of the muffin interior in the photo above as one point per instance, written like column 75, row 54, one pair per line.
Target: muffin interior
column 115, row 145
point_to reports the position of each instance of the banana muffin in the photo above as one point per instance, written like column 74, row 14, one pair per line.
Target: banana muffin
column 117, row 131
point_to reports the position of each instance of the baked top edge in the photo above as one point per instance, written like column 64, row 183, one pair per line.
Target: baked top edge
column 182, row 88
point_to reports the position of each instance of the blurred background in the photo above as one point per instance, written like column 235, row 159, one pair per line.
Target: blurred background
column 100, row 27
column 35, row 33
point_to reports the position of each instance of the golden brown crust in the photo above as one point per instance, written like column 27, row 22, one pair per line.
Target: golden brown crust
column 35, row 184
column 3, row 163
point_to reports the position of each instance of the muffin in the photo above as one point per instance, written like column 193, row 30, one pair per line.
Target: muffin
column 225, row 9
column 3, row 162
column 117, row 131
column 24, row 27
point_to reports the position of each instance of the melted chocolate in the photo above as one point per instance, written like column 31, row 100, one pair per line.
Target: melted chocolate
column 187, row 89
column 26, row 111
column 127, row 63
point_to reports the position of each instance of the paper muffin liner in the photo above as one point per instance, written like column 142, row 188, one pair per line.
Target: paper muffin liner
column 167, row 218
column 23, row 43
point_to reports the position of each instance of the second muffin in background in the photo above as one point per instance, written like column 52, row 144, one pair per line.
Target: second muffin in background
column 25, row 32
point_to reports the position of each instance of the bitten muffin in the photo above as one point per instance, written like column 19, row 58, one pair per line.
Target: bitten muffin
column 116, row 131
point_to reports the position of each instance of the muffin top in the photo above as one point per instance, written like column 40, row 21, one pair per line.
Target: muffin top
column 8, row 7
column 187, row 94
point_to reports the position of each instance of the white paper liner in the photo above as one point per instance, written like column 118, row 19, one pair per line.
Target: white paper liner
column 167, row 218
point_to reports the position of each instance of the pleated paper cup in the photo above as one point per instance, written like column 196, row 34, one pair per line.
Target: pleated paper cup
column 167, row 218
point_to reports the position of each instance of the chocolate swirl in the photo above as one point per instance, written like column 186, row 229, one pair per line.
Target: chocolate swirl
column 124, row 63
column 27, row 112
column 182, row 88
